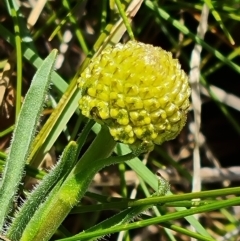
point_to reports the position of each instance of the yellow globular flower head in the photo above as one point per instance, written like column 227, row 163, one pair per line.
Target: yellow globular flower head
column 139, row 91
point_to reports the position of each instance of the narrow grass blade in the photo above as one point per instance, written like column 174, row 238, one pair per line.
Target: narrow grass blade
column 157, row 220
column 219, row 20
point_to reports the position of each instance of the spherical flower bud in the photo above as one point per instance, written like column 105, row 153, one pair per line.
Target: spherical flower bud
column 139, row 91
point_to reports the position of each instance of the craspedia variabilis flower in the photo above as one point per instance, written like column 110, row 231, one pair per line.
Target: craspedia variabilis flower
column 139, row 91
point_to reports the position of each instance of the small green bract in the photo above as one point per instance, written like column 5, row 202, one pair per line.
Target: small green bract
column 139, row 91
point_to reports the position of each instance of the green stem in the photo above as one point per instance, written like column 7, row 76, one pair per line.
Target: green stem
column 72, row 190
column 27, row 210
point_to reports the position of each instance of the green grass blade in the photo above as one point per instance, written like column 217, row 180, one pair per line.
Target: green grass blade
column 136, row 165
column 149, row 177
column 64, row 21
column 125, row 19
column 158, row 220
column 182, row 28
column 219, row 20
column 14, row 12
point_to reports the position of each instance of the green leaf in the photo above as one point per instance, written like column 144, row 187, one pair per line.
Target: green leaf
column 26, row 212
column 23, row 135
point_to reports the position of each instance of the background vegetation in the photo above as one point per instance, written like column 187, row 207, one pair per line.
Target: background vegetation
column 203, row 35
